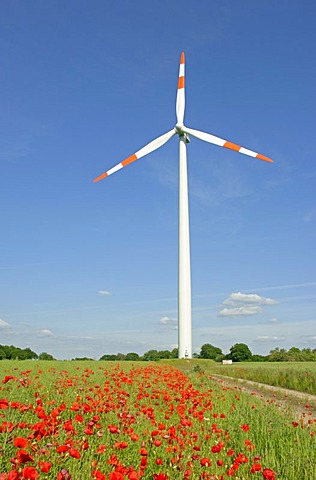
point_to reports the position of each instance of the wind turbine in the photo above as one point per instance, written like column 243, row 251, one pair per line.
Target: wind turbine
column 184, row 273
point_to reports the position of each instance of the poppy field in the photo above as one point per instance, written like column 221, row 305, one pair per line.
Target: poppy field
column 109, row 421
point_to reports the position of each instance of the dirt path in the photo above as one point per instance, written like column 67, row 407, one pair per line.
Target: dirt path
column 301, row 405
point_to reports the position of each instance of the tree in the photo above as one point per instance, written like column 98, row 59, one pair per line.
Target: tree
column 151, row 356
column 45, row 356
column 17, row 353
column 209, row 351
column 83, row 359
column 132, row 356
column 277, row 355
column 164, row 354
column 174, row 353
column 120, row 357
column 109, row 357
column 259, row 358
column 27, row 354
column 240, row 352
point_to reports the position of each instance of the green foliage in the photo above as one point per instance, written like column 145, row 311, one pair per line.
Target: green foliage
column 132, row 356
column 258, row 358
column 174, row 353
column 294, row 354
column 113, row 358
column 83, row 359
column 239, row 352
column 164, row 354
column 16, row 353
column 151, row 356
column 211, row 352
column 45, row 356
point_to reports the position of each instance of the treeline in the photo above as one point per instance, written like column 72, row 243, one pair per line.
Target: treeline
column 240, row 352
column 10, row 352
column 150, row 356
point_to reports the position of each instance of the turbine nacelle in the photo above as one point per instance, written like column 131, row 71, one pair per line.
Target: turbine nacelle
column 181, row 133
column 178, row 129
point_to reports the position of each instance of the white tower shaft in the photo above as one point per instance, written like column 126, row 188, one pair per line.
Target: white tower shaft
column 184, row 281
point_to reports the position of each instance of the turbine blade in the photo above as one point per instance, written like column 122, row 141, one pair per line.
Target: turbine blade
column 150, row 147
column 180, row 104
column 207, row 137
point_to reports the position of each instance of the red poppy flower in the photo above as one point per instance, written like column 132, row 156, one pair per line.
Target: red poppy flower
column 256, row 467
column 121, row 445
column 13, row 475
column 62, row 448
column 45, row 466
column 160, row 476
column 74, row 453
column 205, row 462
column 98, row 475
column 30, row 473
column 268, row 474
column 133, row 475
column 20, row 442
column 3, row 403
column 216, row 449
column 113, row 429
column 245, row 427
column 101, row 448
column 23, row 456
column 116, row 476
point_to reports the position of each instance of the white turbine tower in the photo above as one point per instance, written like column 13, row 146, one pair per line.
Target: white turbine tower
column 184, row 279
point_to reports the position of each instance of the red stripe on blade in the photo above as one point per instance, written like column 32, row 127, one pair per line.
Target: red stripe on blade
column 262, row 157
column 128, row 160
column 181, row 83
column 232, row 146
column 100, row 177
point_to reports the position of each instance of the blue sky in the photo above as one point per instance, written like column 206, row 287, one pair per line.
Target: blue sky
column 88, row 269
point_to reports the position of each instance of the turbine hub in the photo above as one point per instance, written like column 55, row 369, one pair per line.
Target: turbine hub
column 179, row 131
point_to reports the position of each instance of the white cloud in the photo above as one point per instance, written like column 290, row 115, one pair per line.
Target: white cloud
column 267, row 338
column 245, row 311
column 244, row 304
column 173, row 322
column 104, row 292
column 45, row 333
column 237, row 298
column 3, row 323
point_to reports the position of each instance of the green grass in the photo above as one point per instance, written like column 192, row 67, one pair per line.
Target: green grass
column 138, row 397
column 299, row 376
